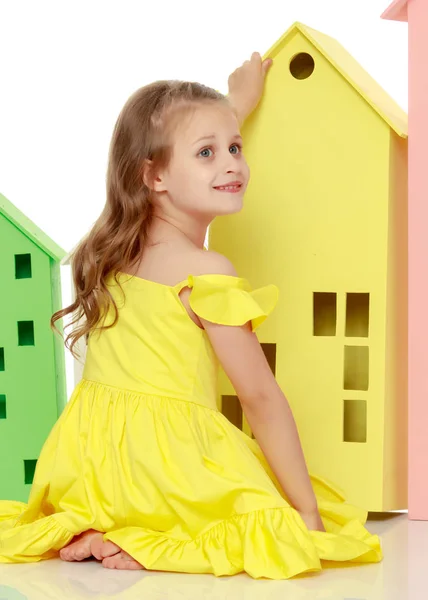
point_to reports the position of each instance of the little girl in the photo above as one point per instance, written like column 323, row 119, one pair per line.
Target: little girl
column 142, row 470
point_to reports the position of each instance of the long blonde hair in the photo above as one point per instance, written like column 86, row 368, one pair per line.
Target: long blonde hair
column 116, row 241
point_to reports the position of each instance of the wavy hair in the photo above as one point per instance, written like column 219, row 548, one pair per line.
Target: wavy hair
column 143, row 132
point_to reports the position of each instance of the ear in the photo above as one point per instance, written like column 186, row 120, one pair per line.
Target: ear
column 153, row 178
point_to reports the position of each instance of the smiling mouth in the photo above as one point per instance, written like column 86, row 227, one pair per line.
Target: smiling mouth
column 229, row 188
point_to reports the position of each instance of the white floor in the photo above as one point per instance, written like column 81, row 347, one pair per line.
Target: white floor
column 403, row 575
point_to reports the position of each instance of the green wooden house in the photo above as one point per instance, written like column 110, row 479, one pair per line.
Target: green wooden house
column 32, row 361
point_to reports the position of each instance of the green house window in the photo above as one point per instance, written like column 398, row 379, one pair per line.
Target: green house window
column 29, row 469
column 2, row 406
column 23, row 266
column 2, row 367
column 26, row 333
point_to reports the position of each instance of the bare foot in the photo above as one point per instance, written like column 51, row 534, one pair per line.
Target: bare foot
column 80, row 547
column 101, row 550
column 122, row 561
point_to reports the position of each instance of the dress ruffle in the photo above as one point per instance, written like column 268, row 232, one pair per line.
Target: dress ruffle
column 228, row 300
column 29, row 541
column 269, row 543
column 206, row 501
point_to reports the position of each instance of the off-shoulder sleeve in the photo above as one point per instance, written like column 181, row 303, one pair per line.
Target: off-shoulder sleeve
column 228, row 300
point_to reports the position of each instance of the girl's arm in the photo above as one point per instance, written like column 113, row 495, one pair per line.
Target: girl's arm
column 265, row 406
column 246, row 85
column 268, row 413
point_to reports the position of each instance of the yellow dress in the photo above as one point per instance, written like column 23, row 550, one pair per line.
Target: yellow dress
column 142, row 453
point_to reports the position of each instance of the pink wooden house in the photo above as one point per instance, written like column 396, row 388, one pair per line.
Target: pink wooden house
column 415, row 12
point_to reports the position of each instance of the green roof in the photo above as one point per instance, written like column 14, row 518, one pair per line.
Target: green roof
column 30, row 229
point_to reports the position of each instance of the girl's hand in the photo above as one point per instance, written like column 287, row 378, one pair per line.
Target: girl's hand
column 246, row 85
column 313, row 521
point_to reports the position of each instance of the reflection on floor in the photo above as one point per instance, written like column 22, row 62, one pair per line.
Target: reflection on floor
column 401, row 576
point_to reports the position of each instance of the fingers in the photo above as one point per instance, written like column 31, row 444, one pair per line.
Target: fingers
column 266, row 65
column 255, row 57
column 256, row 62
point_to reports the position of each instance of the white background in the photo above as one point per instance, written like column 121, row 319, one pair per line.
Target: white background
column 67, row 68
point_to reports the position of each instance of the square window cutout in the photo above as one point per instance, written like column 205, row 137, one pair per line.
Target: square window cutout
column 26, row 333
column 355, row 421
column 356, row 368
column 357, row 315
column 29, row 470
column 232, row 410
column 23, row 266
column 325, row 313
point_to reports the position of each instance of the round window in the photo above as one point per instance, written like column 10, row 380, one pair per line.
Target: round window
column 302, row 65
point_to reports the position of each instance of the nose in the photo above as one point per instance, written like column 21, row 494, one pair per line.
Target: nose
column 231, row 163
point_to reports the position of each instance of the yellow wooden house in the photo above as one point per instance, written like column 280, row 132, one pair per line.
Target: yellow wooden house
column 325, row 219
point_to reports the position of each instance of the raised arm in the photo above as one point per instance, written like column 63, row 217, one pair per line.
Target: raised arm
column 246, row 85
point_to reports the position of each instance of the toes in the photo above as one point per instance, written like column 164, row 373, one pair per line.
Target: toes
column 109, row 562
column 68, row 553
column 81, row 547
column 96, row 548
column 92, row 544
column 101, row 549
column 122, row 561
column 109, row 549
column 131, row 562
column 133, row 565
column 64, row 554
column 71, row 554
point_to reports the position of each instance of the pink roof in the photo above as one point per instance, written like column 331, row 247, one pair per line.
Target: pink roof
column 397, row 11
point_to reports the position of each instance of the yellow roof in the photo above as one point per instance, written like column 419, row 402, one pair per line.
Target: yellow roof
column 352, row 71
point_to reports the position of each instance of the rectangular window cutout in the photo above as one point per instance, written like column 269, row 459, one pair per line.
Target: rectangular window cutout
column 356, row 368
column 357, row 315
column 2, row 406
column 29, row 467
column 325, row 313
column 2, row 365
column 355, row 421
column 26, row 333
column 22, row 266
column 232, row 410
column 270, row 353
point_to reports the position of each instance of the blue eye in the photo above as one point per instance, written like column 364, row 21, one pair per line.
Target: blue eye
column 238, row 148
column 205, row 150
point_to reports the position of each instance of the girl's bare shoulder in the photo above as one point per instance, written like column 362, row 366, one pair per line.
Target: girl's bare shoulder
column 174, row 266
column 205, row 262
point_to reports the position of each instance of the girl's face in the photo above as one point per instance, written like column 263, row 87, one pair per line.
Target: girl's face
column 207, row 174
